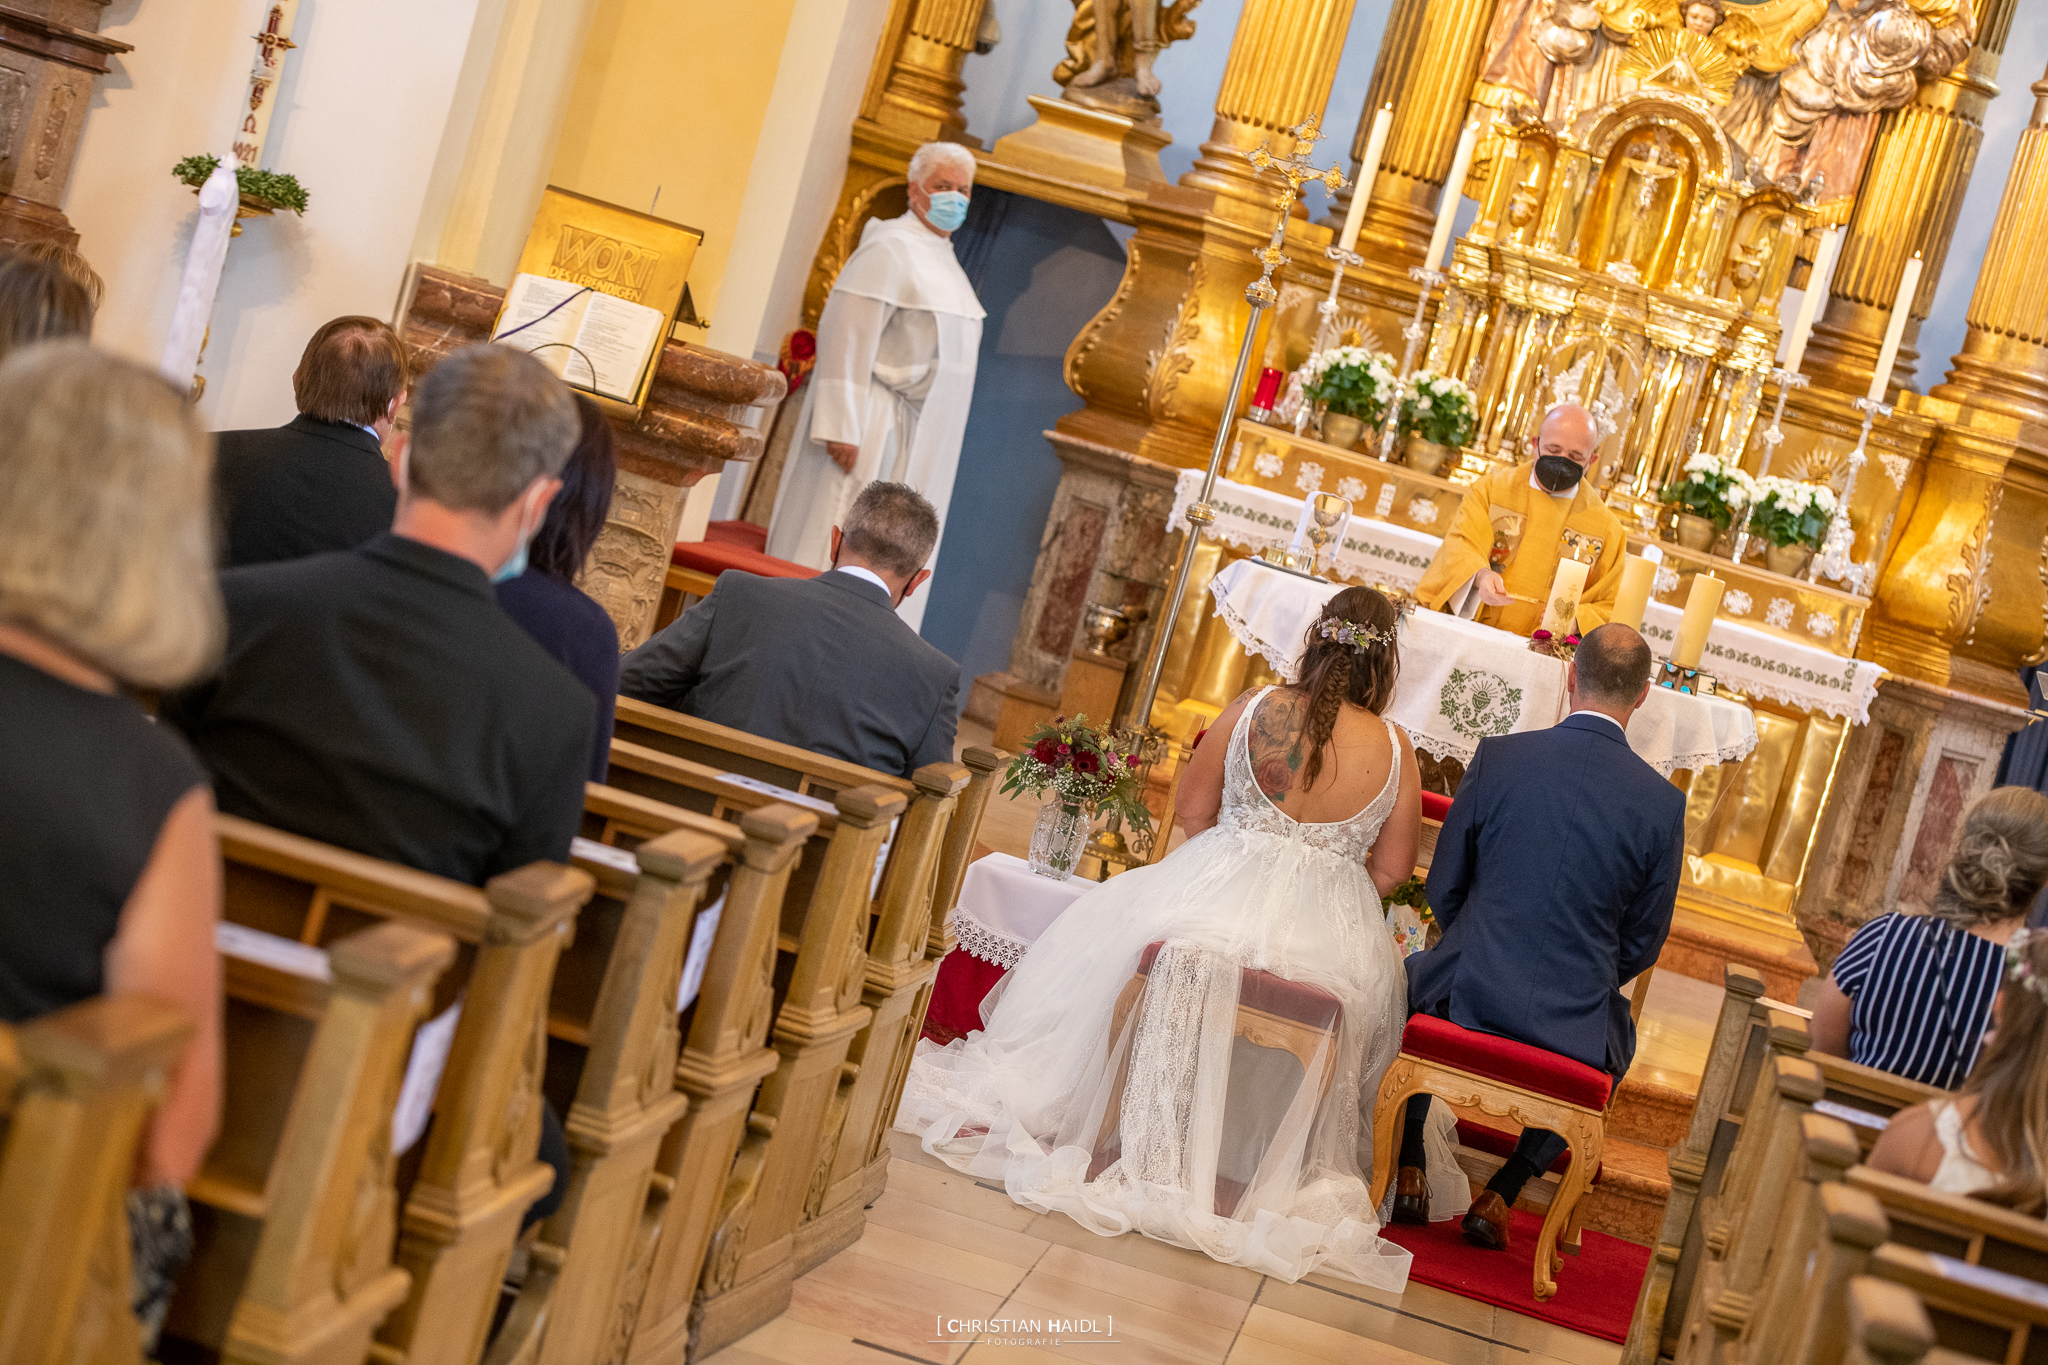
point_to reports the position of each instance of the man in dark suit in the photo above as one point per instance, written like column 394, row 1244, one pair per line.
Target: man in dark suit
column 822, row 663
column 1553, row 880
column 319, row 482
column 377, row 698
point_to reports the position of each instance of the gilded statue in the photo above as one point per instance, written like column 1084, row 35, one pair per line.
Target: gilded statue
column 1797, row 84
column 1109, row 65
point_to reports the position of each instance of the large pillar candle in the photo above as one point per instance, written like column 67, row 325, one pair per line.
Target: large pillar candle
column 1368, row 168
column 1561, row 608
column 1816, row 289
column 1454, row 197
column 1701, row 602
column 1895, row 330
column 1638, row 577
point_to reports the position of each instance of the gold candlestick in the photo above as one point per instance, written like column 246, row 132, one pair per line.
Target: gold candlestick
column 1296, row 172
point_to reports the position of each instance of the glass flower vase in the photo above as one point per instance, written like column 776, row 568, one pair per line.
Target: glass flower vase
column 1057, row 840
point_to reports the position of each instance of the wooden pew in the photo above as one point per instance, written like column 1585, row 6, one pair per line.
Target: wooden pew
column 1739, row 1221
column 1805, row 1220
column 293, row 1211
column 1864, row 1097
column 77, row 1088
column 899, row 942
column 1887, row 1325
column 614, row 1068
column 1748, row 1031
column 479, row 1171
column 1972, row 1310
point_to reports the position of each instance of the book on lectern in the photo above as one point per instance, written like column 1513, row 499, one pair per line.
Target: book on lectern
column 597, row 289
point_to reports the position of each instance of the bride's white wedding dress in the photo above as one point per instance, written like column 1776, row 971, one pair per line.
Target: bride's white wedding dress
column 1232, row 1149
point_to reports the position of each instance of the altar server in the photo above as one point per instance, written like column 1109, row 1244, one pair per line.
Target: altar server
column 897, row 344
column 1502, row 551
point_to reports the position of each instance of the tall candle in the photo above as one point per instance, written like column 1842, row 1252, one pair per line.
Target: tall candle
column 1638, row 577
column 271, row 44
column 1454, row 196
column 1700, row 605
column 1368, row 172
column 1895, row 332
column 1561, row 608
column 1817, row 281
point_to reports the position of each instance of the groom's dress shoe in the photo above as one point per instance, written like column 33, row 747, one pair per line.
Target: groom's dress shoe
column 1487, row 1223
column 1411, row 1197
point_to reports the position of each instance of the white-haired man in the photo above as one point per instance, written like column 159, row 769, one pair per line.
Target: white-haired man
column 896, row 349
column 1502, row 550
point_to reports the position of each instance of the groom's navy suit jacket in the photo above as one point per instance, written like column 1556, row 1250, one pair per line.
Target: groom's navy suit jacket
column 1554, row 880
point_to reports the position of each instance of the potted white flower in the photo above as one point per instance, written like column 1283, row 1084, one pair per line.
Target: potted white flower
column 1438, row 415
column 1352, row 386
column 1792, row 518
column 1708, row 499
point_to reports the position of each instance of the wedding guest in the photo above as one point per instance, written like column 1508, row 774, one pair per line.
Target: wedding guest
column 319, row 482
column 40, row 301
column 1554, row 879
column 111, row 882
column 545, row 600
column 1911, row 994
column 67, row 260
column 822, row 663
column 1990, row 1138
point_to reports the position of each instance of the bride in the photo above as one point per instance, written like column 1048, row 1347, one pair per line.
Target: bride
column 1111, row 1082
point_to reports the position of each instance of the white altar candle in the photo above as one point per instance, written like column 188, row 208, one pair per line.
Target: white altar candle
column 1561, row 607
column 218, row 199
column 1701, row 602
column 1454, row 197
column 1817, row 280
column 271, row 44
column 1638, row 577
column 1368, row 172
column 1894, row 333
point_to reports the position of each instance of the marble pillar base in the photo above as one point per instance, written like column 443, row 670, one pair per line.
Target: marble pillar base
column 1105, row 541
column 1895, row 806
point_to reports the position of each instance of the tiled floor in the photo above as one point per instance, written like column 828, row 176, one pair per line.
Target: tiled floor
column 940, row 1246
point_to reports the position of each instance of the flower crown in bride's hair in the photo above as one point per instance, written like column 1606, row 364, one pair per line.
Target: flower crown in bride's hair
column 1356, row 636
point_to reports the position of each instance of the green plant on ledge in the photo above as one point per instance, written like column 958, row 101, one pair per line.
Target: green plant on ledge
column 271, row 189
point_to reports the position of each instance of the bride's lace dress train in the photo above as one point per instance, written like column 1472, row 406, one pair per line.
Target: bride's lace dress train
column 1159, row 1117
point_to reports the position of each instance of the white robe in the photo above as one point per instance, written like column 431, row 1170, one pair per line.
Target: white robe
column 897, row 344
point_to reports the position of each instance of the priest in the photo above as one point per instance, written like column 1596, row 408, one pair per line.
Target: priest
column 897, row 343
column 1516, row 524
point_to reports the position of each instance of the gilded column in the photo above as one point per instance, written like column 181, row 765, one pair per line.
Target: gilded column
column 1911, row 195
column 1429, row 58
column 2004, row 362
column 1282, row 61
column 921, row 96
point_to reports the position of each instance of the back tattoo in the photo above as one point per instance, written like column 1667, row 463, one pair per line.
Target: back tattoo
column 1278, row 725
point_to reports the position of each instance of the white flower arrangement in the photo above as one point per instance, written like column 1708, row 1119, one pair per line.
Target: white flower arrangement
column 1439, row 408
column 1715, row 487
column 1788, row 512
column 1351, row 381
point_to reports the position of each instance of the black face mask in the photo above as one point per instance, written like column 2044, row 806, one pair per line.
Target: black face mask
column 1557, row 473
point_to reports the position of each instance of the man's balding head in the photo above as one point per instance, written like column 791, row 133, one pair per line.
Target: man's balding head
column 1570, row 430
column 1610, row 671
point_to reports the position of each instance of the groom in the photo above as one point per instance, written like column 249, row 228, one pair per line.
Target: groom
column 1553, row 880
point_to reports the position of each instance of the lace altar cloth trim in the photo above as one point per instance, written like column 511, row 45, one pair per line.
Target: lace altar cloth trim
column 1462, row 682
column 990, row 945
column 1375, row 552
column 1763, row 665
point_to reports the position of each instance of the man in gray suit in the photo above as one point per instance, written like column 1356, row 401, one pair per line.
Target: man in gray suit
column 823, row 663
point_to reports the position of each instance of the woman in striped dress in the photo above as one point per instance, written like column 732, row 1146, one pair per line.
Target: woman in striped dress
column 1911, row 994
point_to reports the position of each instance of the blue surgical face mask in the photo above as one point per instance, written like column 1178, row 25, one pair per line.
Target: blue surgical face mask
column 516, row 565
column 948, row 210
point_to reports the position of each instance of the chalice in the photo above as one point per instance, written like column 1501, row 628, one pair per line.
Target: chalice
column 1326, row 512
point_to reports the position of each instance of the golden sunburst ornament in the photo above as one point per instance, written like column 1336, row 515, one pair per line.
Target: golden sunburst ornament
column 1682, row 62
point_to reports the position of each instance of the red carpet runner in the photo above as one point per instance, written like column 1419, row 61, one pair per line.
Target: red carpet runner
column 1596, row 1290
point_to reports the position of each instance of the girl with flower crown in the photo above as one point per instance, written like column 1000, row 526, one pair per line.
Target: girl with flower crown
column 1111, row 1082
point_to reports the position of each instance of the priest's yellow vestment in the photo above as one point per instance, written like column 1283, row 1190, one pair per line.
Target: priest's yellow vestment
column 1508, row 524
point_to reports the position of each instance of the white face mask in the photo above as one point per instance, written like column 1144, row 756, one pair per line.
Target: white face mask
column 516, row 565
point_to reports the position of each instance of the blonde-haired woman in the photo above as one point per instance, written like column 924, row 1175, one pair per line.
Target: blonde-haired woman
column 112, row 871
column 1911, row 994
column 1991, row 1139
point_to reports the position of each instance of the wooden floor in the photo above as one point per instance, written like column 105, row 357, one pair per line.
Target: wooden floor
column 941, row 1246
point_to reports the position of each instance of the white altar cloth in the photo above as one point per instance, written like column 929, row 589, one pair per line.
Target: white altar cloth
column 1374, row 552
column 1004, row 907
column 1765, row 665
column 1462, row 682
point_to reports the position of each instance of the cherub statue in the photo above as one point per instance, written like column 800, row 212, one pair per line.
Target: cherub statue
column 1109, row 63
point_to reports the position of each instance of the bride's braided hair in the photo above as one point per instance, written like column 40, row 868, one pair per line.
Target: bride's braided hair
column 1346, row 665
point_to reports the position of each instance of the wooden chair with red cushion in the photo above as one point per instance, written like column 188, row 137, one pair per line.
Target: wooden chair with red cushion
column 1511, row 1080
column 694, row 565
